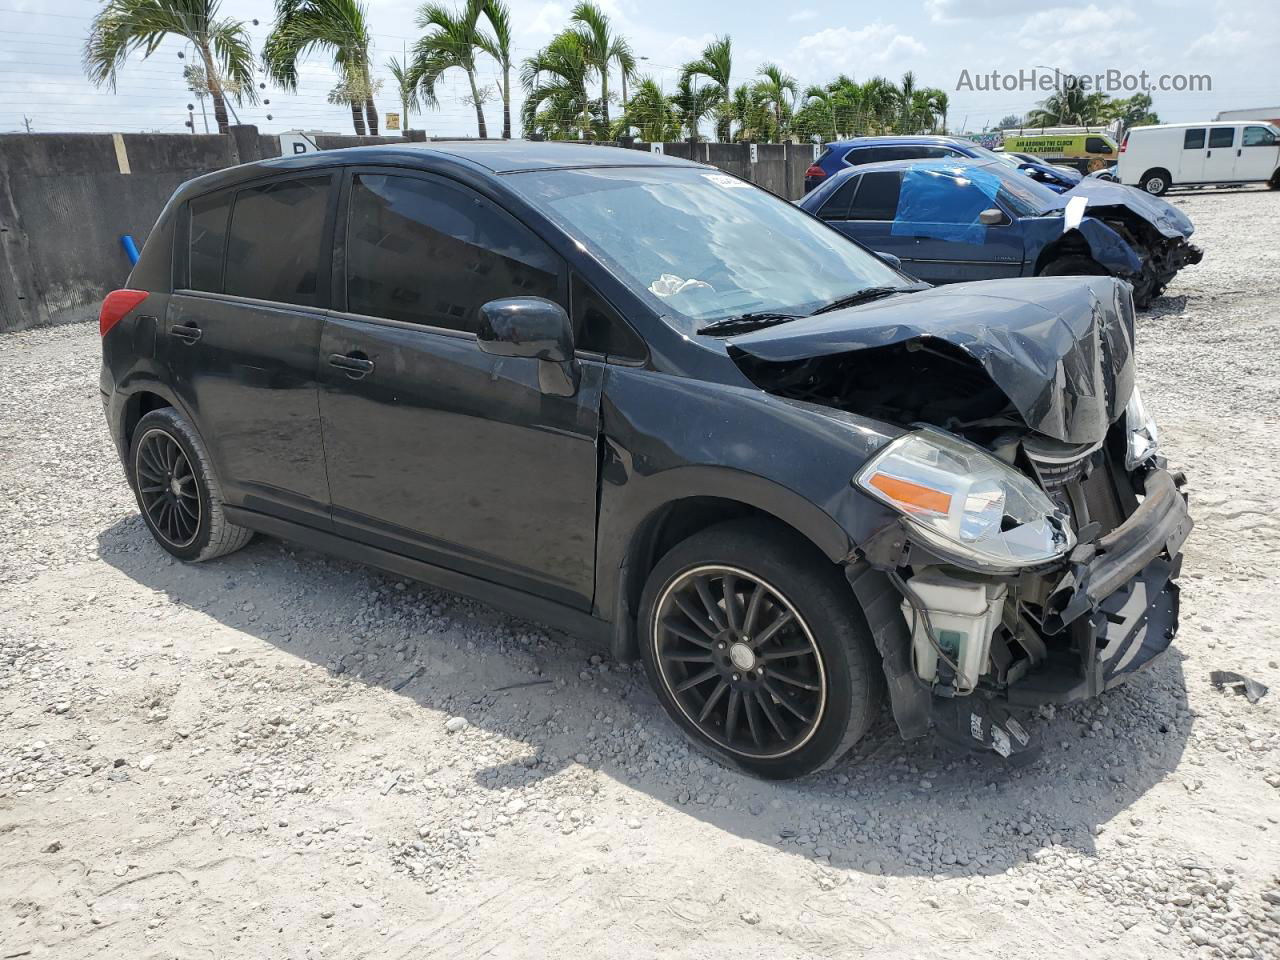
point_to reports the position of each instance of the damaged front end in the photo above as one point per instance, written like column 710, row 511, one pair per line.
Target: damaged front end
column 1036, row 537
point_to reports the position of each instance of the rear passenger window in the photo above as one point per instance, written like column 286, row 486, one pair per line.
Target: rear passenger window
column 836, row 206
column 877, row 197
column 1096, row 145
column 1221, row 137
column 276, row 246
column 425, row 252
column 208, row 239
column 1193, row 139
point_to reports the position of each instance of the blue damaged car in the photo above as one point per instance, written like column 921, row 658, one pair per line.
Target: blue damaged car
column 956, row 220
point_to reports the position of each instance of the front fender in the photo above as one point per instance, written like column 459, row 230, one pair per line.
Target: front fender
column 1105, row 245
column 670, row 438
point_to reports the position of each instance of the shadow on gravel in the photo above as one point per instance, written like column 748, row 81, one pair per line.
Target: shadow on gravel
column 891, row 808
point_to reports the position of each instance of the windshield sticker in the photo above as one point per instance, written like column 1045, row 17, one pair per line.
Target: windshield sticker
column 668, row 285
column 726, row 181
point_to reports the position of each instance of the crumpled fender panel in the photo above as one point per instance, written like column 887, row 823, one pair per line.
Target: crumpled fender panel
column 1105, row 245
column 1161, row 214
column 1060, row 348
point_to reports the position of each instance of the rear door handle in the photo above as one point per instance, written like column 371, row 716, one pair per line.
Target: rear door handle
column 355, row 364
column 186, row 331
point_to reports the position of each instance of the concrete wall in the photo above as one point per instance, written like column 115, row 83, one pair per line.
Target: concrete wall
column 66, row 199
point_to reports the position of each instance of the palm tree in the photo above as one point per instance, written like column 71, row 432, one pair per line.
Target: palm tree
column 1069, row 105
column 652, row 113
column 940, row 104
column 223, row 44
column 779, row 90
column 602, row 48
column 716, row 64
column 338, row 27
column 406, row 87
column 453, row 43
column 693, row 103
column 751, row 111
column 556, row 102
column 498, row 46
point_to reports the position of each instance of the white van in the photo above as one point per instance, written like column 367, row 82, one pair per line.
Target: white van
column 1205, row 154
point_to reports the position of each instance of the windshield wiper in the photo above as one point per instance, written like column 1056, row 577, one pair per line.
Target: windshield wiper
column 862, row 296
column 747, row 321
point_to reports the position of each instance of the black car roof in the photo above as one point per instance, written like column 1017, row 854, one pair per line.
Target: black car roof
column 493, row 157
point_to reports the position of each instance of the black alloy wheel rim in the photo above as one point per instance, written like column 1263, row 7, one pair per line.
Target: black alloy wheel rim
column 739, row 661
column 167, row 488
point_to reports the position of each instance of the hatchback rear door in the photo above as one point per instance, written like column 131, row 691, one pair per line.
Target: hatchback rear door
column 435, row 449
column 242, row 336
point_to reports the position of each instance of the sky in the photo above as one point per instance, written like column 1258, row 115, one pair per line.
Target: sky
column 1236, row 44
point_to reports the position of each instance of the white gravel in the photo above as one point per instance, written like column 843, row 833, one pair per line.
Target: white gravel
column 279, row 755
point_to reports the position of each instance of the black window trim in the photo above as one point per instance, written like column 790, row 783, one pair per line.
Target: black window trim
column 323, row 268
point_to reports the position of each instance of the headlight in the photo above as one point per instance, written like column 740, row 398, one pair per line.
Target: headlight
column 965, row 503
column 1144, row 438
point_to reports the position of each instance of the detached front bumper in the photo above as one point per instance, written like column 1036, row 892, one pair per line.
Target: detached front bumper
column 1108, row 611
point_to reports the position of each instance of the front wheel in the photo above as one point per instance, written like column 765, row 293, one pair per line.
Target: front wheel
column 758, row 650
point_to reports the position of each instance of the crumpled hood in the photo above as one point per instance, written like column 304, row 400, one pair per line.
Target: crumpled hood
column 1060, row 348
column 1162, row 215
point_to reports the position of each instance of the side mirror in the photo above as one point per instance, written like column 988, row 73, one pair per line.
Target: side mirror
column 535, row 328
column 991, row 217
column 890, row 259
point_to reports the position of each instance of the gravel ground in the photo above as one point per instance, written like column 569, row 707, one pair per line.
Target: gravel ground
column 279, row 755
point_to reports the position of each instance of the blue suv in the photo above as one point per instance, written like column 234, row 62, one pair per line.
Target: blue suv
column 842, row 154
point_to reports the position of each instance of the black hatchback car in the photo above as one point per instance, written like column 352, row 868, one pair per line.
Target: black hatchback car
column 643, row 400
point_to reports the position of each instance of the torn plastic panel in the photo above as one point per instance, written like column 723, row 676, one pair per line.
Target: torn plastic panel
column 1059, row 349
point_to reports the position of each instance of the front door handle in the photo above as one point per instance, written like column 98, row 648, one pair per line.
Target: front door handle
column 355, row 364
column 186, row 331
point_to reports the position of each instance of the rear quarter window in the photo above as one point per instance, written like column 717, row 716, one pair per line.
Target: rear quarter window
column 207, row 242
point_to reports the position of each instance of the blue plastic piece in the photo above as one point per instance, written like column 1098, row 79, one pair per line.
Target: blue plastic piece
column 130, row 249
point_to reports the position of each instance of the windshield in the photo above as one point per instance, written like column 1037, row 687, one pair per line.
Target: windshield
column 703, row 246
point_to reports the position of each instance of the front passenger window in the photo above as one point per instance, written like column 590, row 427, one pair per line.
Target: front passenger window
column 1258, row 137
column 422, row 251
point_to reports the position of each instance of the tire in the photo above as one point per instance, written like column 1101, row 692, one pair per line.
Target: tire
column 1074, row 265
column 177, row 492
column 832, row 691
column 1274, row 182
column 1155, row 182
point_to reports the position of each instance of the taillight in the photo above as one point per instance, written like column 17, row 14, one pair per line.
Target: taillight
column 117, row 304
column 1124, row 143
column 814, row 172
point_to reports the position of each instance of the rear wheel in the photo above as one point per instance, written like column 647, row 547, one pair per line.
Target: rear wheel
column 1155, row 182
column 180, row 499
column 758, row 651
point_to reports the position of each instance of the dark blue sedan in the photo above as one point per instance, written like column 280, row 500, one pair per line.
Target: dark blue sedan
column 959, row 220
column 843, row 154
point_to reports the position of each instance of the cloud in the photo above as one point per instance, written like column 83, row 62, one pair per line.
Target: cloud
column 841, row 49
column 1083, row 38
column 954, row 11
